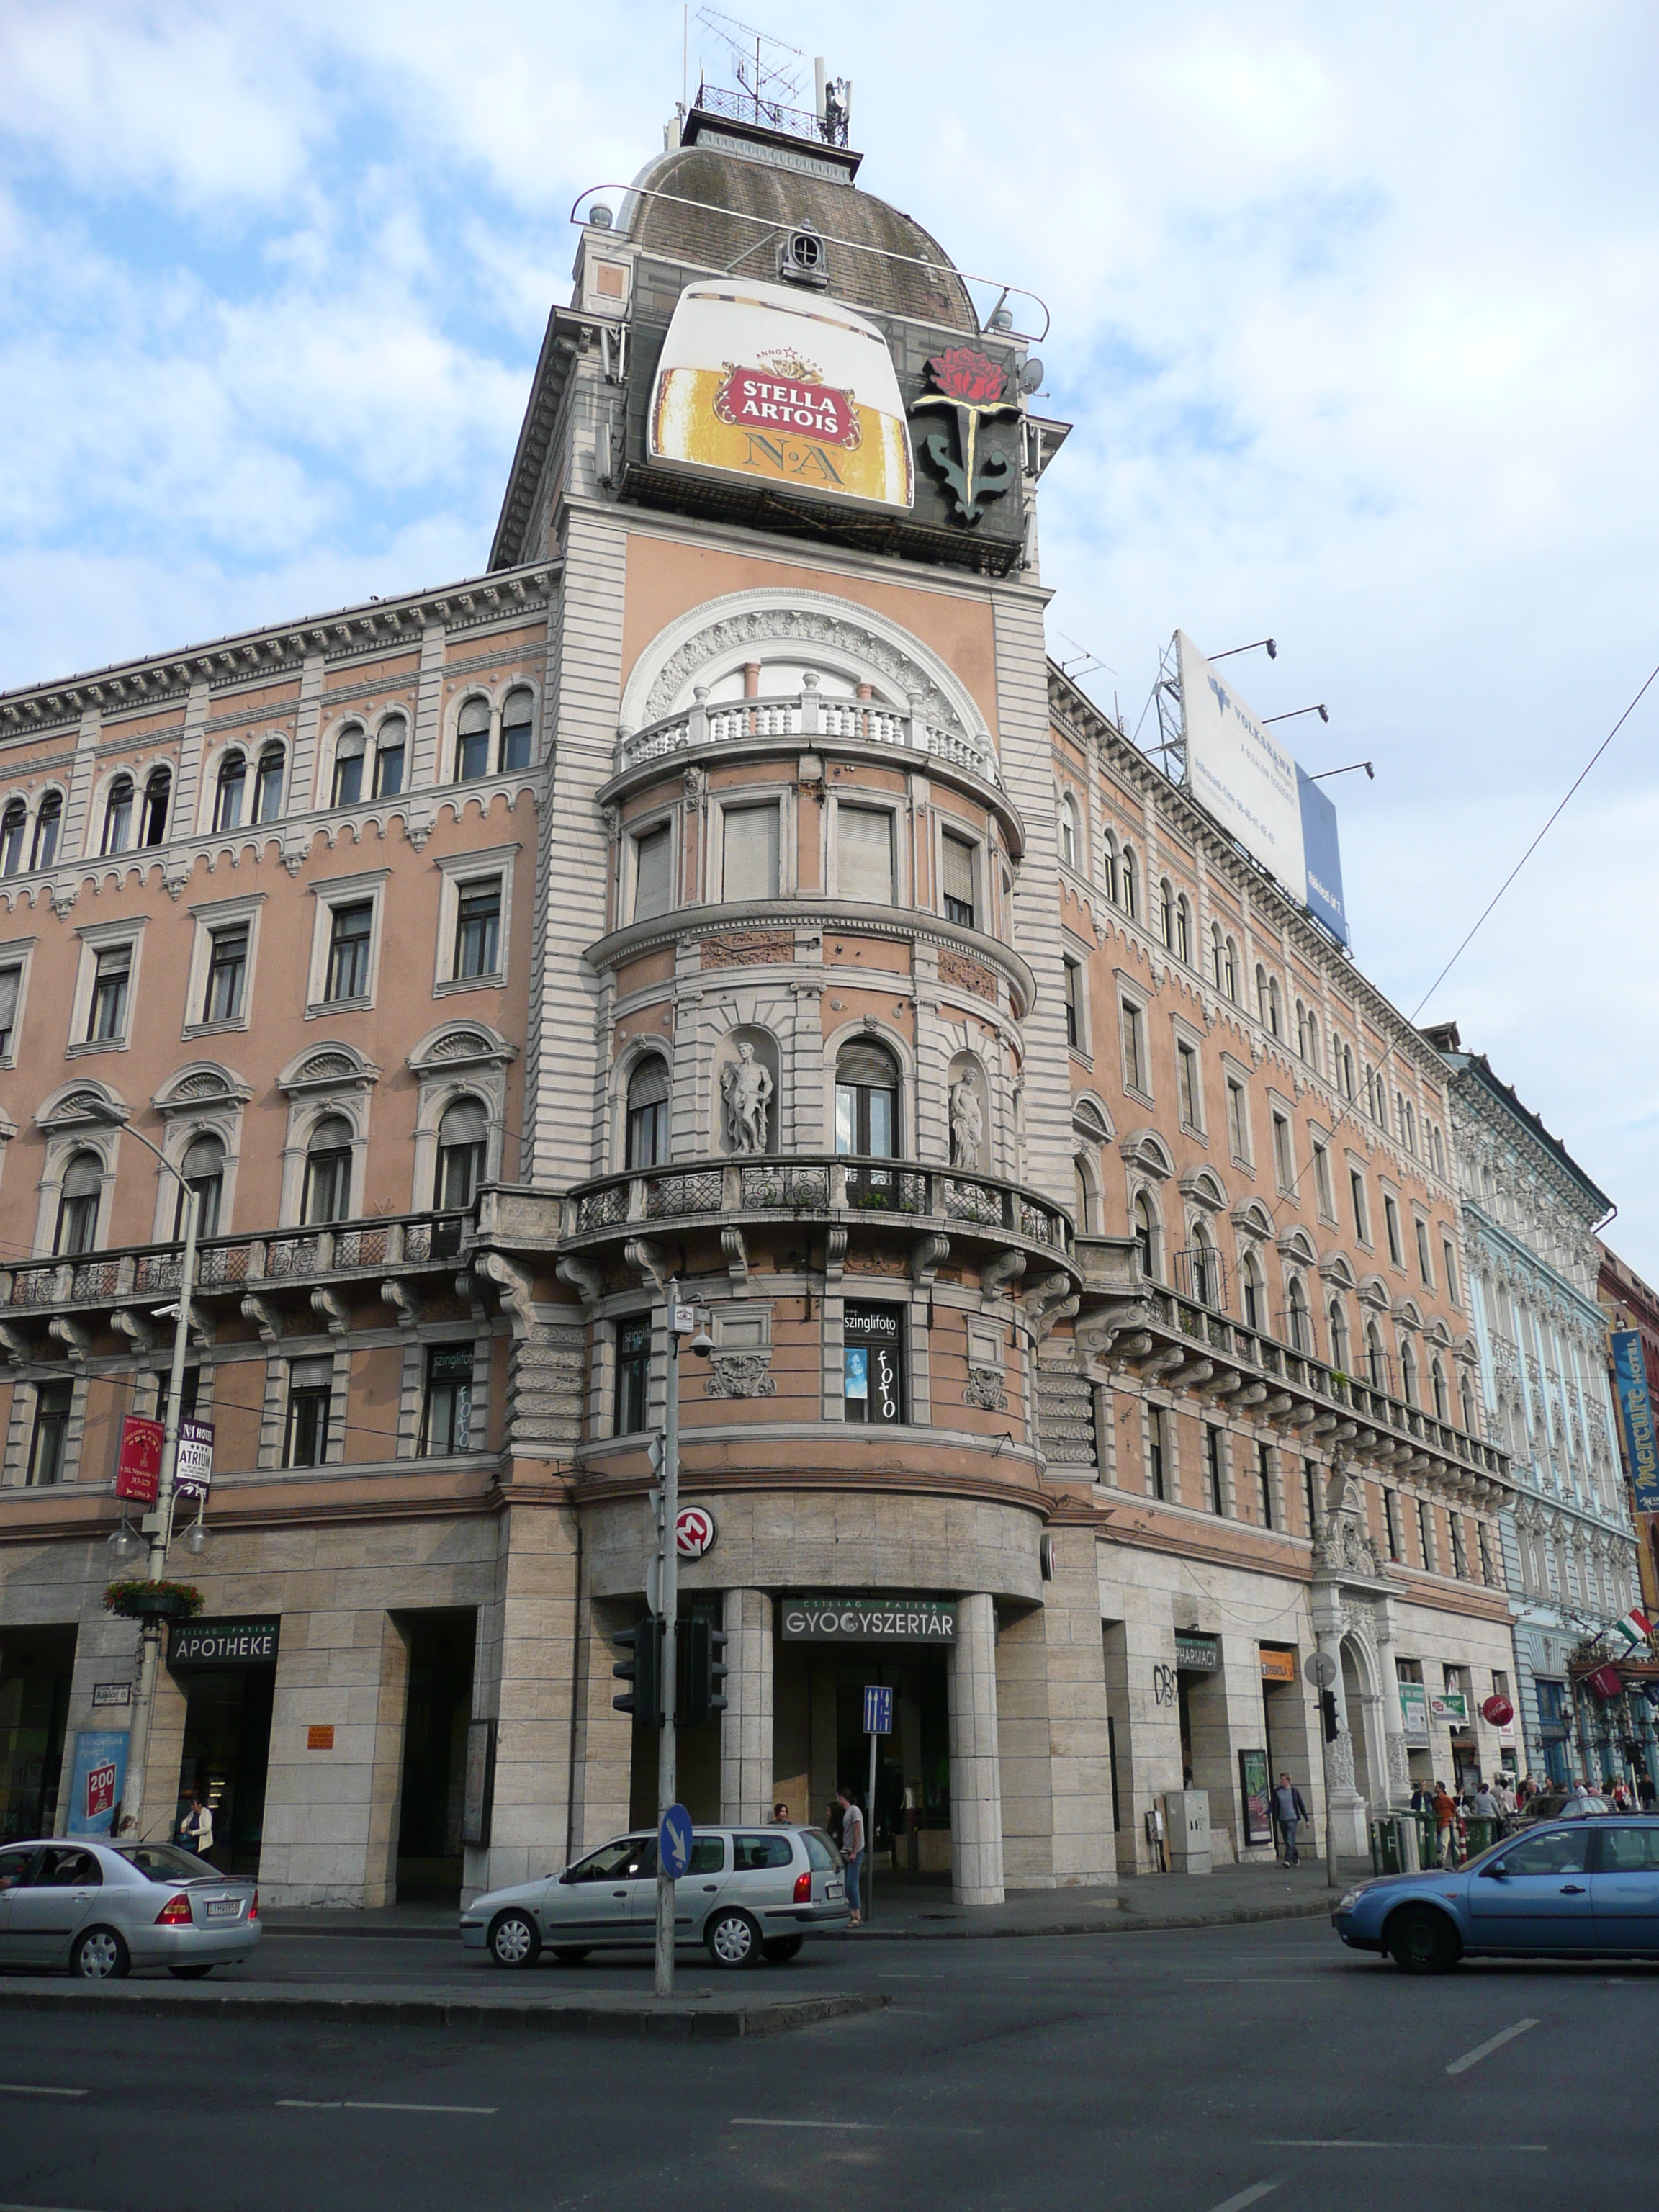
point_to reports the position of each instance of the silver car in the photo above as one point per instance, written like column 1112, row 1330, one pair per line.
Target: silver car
column 749, row 1893
column 101, row 1909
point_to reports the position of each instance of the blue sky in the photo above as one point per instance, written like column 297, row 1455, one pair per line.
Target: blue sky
column 1356, row 313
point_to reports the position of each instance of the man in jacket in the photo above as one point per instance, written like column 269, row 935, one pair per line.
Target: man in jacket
column 1288, row 1811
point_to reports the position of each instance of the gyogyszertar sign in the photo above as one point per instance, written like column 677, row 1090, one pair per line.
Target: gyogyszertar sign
column 868, row 1620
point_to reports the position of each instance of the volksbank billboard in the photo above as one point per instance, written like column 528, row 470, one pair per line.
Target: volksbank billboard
column 1259, row 793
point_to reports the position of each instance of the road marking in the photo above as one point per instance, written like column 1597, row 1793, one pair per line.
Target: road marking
column 854, row 2127
column 36, row 2089
column 1248, row 2197
column 1332, row 2142
column 1485, row 2049
column 370, row 2105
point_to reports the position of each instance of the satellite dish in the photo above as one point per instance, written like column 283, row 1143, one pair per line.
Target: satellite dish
column 1030, row 377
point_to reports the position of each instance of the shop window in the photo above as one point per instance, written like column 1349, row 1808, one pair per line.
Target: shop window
column 327, row 1195
column 118, row 817
column 652, row 884
column 47, row 824
column 633, row 1374
column 463, row 1146
column 872, row 1362
column 77, row 1205
column 956, row 869
column 479, row 928
column 518, row 729
column 472, row 742
column 445, row 1412
column 204, row 1171
column 867, row 1101
column 647, row 1138
column 227, row 976
column 864, row 841
column 351, row 930
column 49, row 1442
column 310, row 1389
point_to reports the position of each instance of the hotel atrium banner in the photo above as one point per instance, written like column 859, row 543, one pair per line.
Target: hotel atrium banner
column 1258, row 792
column 773, row 385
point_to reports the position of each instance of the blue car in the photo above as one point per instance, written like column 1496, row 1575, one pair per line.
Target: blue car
column 1564, row 1889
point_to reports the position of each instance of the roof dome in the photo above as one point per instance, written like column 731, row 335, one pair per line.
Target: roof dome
column 741, row 203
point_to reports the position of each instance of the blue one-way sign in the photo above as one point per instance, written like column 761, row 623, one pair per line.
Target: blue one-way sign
column 674, row 1840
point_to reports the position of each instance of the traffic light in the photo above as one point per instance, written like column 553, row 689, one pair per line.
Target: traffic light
column 701, row 1671
column 1327, row 1708
column 641, row 1669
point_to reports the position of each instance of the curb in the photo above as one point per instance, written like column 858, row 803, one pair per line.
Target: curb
column 681, row 2023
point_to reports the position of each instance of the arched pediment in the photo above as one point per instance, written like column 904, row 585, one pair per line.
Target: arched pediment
column 204, row 1083
column 327, row 1067
column 80, row 1103
column 460, row 1044
column 1146, row 1149
column 1253, row 1220
column 1204, row 1190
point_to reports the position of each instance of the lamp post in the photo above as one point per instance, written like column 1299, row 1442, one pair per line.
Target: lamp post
column 158, row 1523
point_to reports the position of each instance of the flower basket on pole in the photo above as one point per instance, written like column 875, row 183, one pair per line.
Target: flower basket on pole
column 143, row 1599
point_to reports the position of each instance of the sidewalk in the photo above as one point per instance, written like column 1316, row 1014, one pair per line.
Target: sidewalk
column 909, row 1910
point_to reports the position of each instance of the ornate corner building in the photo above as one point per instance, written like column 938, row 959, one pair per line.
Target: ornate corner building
column 724, row 887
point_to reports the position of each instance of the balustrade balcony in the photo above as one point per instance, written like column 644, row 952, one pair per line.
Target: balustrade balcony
column 808, row 715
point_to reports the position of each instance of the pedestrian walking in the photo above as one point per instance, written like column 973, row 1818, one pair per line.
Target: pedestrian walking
column 1445, row 1812
column 1289, row 1812
column 852, row 1850
column 196, row 1829
column 1485, row 1805
column 1645, row 1791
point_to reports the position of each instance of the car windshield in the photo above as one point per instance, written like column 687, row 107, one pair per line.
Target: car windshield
column 167, row 1863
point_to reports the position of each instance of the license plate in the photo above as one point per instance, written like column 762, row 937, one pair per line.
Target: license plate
column 222, row 1908
column 833, row 1889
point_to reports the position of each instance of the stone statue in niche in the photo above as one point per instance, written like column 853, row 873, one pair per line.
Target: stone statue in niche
column 746, row 1089
column 967, row 1124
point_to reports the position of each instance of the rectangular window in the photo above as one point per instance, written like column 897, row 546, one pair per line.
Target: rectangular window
column 1213, row 1468
column 1391, row 1521
column 653, row 888
column 1186, row 1085
column 310, row 1388
column 1236, row 1120
column 111, row 978
column 1459, row 1559
column 1425, row 1534
column 1283, row 1161
column 1073, row 1006
column 1483, row 1537
column 227, row 976
column 446, row 1413
column 633, row 1374
column 749, row 850
column 1448, row 1261
column 479, row 928
column 872, row 1364
column 1323, row 1193
column 11, row 984
column 1158, row 1457
column 864, row 841
column 350, row 930
column 1356, row 1192
column 1135, row 1056
column 1391, row 1222
column 48, row 1445
column 1264, row 1479
column 957, row 867
column 1310, row 1495
column 1423, row 1267
column 1500, row 1680
column 189, row 1395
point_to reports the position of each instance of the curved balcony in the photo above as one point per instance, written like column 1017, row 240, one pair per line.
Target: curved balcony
column 906, row 1194
column 806, row 714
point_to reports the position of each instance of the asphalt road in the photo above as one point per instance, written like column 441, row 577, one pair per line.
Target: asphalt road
column 1196, row 2070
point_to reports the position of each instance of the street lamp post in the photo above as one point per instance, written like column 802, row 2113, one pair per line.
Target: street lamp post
column 159, row 1523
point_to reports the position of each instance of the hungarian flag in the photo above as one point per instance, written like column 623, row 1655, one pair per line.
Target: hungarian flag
column 1635, row 1628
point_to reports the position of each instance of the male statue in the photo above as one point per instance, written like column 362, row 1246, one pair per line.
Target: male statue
column 746, row 1089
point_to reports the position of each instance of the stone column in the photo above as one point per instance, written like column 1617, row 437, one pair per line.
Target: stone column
column 1394, row 1720
column 1344, row 1806
column 976, row 1770
column 746, row 1724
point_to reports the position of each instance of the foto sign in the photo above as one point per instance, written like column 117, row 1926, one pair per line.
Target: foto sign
column 138, row 1462
column 877, row 1709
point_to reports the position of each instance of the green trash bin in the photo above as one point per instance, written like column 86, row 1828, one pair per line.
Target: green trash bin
column 1385, row 1847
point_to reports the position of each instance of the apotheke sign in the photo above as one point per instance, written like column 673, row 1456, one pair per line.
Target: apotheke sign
column 868, row 1620
column 224, row 1644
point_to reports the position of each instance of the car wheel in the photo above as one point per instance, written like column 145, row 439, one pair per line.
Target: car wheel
column 570, row 1954
column 514, row 1940
column 733, row 1939
column 1420, row 1940
column 101, row 1955
column 780, row 1948
column 190, row 1973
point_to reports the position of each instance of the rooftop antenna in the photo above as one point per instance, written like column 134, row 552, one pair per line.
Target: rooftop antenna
column 769, row 69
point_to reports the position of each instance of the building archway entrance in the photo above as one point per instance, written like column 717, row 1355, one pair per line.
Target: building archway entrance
column 818, row 1743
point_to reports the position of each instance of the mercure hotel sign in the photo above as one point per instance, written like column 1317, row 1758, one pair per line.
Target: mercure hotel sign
column 868, row 1620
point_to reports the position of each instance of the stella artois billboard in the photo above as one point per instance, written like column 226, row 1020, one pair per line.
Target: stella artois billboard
column 777, row 386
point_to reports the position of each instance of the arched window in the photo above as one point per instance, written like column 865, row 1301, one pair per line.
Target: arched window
column 1261, row 994
column 14, row 830
column 1082, row 1205
column 47, row 823
column 267, row 784
column 1275, row 1020
column 1377, row 1360
column 1313, row 1037
column 391, row 753
column 158, row 792
column 1218, row 956
column 77, row 1205
column 1296, row 1316
column 118, row 817
column 1147, row 1239
column 204, row 1169
column 463, row 1148
column 1110, row 863
column 1069, row 838
column 1207, row 1271
column 1131, row 885
column 232, row 791
column 1337, row 1321
column 518, row 729
column 1344, row 1055
column 472, row 742
column 1408, row 1374
column 1255, row 1305
column 328, row 1171
column 1438, row 1385
column 349, row 754
column 1301, row 1029
column 648, row 1115
column 1183, row 930
column 867, row 1101
column 1470, row 1420
column 1166, row 928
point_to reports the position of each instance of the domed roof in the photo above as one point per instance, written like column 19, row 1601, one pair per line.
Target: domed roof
column 742, row 204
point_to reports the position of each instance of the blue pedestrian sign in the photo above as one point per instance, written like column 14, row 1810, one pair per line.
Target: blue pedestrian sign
column 877, row 1709
column 674, row 1840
